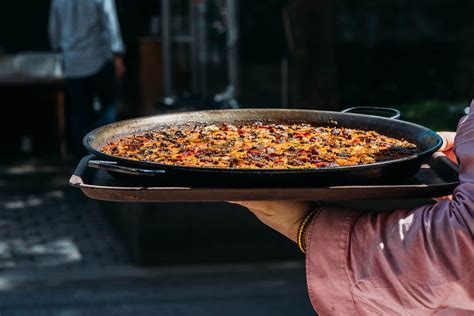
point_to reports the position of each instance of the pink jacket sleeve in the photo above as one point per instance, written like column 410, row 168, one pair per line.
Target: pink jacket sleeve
column 403, row 262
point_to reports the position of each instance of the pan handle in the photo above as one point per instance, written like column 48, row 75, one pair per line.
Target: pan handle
column 394, row 113
column 114, row 167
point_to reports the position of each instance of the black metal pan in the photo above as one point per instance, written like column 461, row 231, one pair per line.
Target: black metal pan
column 388, row 171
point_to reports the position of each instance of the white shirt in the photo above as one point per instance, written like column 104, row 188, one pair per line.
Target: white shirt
column 87, row 32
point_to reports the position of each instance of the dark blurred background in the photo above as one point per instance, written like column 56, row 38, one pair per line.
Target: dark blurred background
column 324, row 55
column 63, row 254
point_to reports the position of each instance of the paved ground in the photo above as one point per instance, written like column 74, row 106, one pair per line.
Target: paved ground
column 203, row 290
column 59, row 255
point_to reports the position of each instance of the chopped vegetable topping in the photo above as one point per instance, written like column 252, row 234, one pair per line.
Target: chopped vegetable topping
column 255, row 145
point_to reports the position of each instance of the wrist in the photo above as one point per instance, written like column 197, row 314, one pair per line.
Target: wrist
column 295, row 217
column 118, row 58
column 302, row 236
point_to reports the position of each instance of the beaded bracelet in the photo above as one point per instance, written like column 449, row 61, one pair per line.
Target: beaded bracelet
column 302, row 231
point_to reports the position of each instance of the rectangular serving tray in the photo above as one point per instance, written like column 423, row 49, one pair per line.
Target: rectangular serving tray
column 438, row 177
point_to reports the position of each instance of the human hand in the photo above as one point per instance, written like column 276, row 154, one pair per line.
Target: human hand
column 448, row 145
column 283, row 216
column 448, row 149
column 119, row 67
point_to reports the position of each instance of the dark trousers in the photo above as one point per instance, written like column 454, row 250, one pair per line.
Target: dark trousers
column 81, row 117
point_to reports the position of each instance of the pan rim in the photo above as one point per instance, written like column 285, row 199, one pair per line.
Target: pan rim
column 156, row 166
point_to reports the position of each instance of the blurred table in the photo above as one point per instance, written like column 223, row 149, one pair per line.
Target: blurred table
column 38, row 69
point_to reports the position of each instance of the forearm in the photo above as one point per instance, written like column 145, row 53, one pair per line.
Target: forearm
column 284, row 217
column 113, row 27
column 416, row 259
column 411, row 259
column 430, row 237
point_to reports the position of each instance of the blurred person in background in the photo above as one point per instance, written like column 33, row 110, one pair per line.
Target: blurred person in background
column 87, row 33
column 401, row 262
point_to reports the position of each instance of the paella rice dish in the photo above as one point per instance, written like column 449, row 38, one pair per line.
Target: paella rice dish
column 257, row 145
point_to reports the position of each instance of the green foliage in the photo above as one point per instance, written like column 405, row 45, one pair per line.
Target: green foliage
column 437, row 115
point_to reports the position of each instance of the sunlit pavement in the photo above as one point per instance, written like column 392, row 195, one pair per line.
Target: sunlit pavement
column 60, row 256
